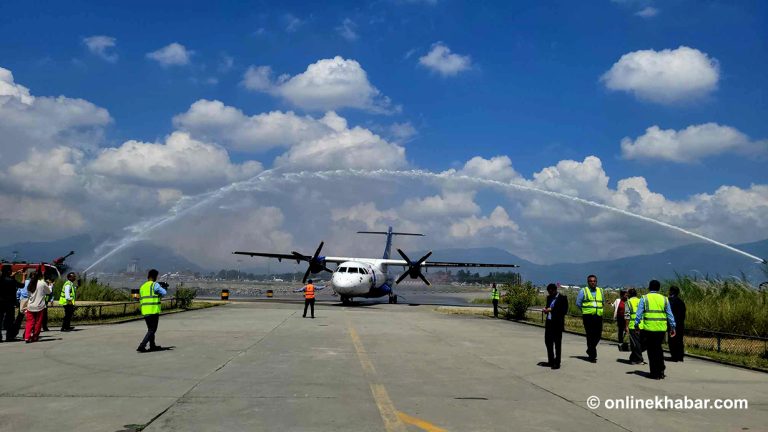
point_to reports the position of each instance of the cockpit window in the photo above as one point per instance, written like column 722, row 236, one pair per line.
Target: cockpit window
column 352, row 270
column 342, row 270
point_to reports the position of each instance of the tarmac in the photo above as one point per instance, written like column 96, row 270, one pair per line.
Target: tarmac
column 260, row 366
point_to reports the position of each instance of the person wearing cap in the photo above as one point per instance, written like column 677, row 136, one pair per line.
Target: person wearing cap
column 67, row 301
column 309, row 296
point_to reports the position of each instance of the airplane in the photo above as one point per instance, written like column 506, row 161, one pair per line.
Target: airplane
column 368, row 277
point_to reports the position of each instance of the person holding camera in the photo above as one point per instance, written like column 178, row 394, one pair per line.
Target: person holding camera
column 150, row 294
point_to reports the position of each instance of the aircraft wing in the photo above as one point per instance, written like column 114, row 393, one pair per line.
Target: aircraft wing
column 292, row 257
column 393, row 262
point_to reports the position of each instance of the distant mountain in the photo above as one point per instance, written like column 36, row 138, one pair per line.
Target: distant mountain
column 699, row 260
column 151, row 255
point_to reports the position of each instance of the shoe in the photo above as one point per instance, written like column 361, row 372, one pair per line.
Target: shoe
column 313, row 317
column 141, row 349
column 303, row 316
column 555, row 366
column 27, row 340
column 70, row 328
column 593, row 360
column 156, row 348
column 65, row 330
column 46, row 329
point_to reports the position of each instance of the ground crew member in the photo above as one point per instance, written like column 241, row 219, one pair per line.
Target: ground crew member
column 556, row 309
column 654, row 313
column 495, row 295
column 149, row 298
column 309, row 296
column 635, row 341
column 67, row 300
column 590, row 299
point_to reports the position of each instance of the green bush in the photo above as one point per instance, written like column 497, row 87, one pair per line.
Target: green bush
column 518, row 299
column 184, row 297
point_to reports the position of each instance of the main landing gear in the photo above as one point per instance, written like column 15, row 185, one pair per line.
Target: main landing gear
column 393, row 299
column 346, row 301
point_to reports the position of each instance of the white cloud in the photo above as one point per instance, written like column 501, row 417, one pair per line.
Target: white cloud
column 471, row 226
column 364, row 213
column 44, row 123
column 174, row 54
column 402, row 132
column 345, row 148
column 647, row 12
column 101, row 46
column 691, row 144
column 213, row 121
column 448, row 203
column 180, row 162
column 496, row 168
column 328, row 84
column 347, row 30
column 665, row 76
column 441, row 60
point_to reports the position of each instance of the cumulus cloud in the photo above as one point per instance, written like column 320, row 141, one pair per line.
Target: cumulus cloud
column 441, row 60
column 402, row 131
column 179, row 162
column 496, row 168
column 102, row 46
column 344, row 148
column 691, row 144
column 348, row 30
column 213, row 121
column 473, row 225
column 665, row 76
column 174, row 54
column 44, row 123
column 328, row 84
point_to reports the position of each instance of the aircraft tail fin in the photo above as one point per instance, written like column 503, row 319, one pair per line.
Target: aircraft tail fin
column 389, row 233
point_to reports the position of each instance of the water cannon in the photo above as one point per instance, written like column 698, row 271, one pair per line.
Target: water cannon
column 60, row 260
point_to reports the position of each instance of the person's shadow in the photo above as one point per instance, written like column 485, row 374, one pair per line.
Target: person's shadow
column 643, row 374
column 625, row 361
column 582, row 358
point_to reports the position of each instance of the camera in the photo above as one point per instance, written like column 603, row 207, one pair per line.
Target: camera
column 163, row 284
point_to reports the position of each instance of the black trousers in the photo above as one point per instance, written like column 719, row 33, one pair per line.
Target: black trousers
column 17, row 324
column 311, row 303
column 593, row 326
column 69, row 311
column 636, row 346
column 676, row 347
column 495, row 307
column 621, row 323
column 152, row 321
column 553, row 338
column 45, row 318
column 7, row 314
column 653, row 340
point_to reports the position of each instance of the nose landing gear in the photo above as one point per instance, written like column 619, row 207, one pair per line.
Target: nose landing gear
column 393, row 299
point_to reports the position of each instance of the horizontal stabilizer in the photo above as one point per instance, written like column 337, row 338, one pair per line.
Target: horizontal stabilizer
column 394, row 233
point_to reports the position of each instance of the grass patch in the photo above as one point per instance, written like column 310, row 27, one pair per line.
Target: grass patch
column 113, row 313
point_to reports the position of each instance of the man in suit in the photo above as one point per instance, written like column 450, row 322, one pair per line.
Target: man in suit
column 676, row 348
column 556, row 309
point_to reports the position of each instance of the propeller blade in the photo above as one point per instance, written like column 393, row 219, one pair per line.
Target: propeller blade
column 424, row 279
column 405, row 257
column 327, row 269
column 424, row 258
column 306, row 275
column 402, row 276
column 317, row 252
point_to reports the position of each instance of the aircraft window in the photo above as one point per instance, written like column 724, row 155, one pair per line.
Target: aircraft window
column 362, row 270
column 352, row 270
column 342, row 270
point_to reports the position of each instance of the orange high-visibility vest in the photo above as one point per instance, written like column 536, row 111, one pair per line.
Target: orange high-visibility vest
column 309, row 292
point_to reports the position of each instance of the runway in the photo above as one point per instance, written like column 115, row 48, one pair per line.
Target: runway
column 260, row 366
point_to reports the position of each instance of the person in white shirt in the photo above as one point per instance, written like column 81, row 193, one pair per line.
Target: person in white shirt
column 38, row 290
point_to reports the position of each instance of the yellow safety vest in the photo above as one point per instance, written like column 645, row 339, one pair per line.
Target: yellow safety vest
column 592, row 305
column 632, row 305
column 654, row 312
column 495, row 294
column 63, row 297
column 150, row 302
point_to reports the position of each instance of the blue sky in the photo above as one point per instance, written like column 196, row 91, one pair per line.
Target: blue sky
column 530, row 87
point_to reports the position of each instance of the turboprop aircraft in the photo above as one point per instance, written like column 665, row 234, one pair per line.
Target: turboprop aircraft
column 368, row 277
